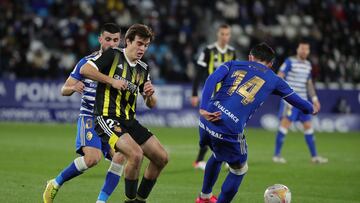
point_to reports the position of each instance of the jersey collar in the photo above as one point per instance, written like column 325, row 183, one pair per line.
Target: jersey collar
column 128, row 61
column 223, row 51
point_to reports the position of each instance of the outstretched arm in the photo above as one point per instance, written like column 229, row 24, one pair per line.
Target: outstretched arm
column 305, row 106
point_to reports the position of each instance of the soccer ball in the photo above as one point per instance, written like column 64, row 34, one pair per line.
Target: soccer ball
column 277, row 193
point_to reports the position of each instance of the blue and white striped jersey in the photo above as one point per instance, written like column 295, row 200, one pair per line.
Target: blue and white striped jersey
column 88, row 96
column 297, row 73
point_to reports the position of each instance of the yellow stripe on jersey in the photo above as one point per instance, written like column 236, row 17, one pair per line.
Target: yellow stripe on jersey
column 107, row 89
column 133, row 77
column 118, row 98
column 211, row 63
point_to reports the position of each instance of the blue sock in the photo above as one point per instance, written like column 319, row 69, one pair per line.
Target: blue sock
column 111, row 181
column 310, row 141
column 67, row 174
column 212, row 171
column 230, row 187
column 279, row 140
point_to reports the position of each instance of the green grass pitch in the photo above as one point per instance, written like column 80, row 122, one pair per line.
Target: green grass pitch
column 30, row 154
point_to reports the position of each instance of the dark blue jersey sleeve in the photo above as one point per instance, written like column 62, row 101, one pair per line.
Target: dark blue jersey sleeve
column 282, row 88
column 211, row 82
column 295, row 100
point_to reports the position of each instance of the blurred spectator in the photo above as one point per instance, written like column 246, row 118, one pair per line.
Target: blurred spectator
column 63, row 31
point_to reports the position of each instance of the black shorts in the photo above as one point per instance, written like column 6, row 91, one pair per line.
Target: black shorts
column 105, row 126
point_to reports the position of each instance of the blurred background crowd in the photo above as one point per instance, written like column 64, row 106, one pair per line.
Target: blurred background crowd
column 46, row 38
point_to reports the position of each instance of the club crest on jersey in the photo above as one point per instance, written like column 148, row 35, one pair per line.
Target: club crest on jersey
column 89, row 135
column 138, row 78
column 88, row 123
column 117, row 129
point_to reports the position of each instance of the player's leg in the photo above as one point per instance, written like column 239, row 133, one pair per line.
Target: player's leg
column 134, row 156
column 112, row 177
column 310, row 141
column 87, row 145
column 211, row 173
column 199, row 162
column 232, row 182
column 238, row 169
column 285, row 123
column 287, row 114
column 158, row 157
column 116, row 135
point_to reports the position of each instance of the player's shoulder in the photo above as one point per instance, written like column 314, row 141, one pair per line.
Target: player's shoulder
column 231, row 48
column 211, row 46
column 142, row 64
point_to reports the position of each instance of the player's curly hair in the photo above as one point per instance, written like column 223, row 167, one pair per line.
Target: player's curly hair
column 140, row 30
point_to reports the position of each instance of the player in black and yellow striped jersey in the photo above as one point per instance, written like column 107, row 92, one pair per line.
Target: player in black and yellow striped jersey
column 210, row 58
column 115, row 107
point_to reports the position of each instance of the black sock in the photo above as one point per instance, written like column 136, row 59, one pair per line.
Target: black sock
column 201, row 154
column 145, row 188
column 130, row 188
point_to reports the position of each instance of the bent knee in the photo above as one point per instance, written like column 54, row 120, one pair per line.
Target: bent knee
column 92, row 159
column 241, row 170
column 136, row 156
column 164, row 160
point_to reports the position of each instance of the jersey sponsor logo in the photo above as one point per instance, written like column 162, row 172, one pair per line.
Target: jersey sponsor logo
column 89, row 135
column 226, row 111
column 130, row 86
column 211, row 132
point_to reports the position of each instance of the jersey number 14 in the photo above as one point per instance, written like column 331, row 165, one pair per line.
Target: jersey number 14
column 248, row 89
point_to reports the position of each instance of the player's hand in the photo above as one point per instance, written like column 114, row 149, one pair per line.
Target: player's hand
column 316, row 109
column 119, row 84
column 212, row 117
column 194, row 101
column 317, row 105
column 148, row 89
column 79, row 87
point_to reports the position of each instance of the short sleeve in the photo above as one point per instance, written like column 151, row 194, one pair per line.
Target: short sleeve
column 286, row 66
column 104, row 61
column 203, row 58
column 76, row 72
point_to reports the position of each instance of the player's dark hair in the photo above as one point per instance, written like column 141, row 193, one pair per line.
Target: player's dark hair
column 263, row 52
column 224, row 25
column 303, row 41
column 140, row 30
column 111, row 28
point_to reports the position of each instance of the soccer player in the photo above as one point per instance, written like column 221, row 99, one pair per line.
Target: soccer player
column 116, row 110
column 211, row 58
column 297, row 72
column 88, row 145
column 245, row 86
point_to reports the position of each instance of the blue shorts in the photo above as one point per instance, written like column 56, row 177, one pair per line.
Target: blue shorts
column 86, row 136
column 230, row 152
column 292, row 113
